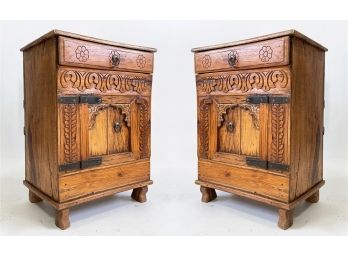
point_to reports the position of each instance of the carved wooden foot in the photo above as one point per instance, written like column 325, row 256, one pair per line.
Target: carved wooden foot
column 285, row 219
column 208, row 194
column 314, row 198
column 139, row 194
column 33, row 198
column 62, row 219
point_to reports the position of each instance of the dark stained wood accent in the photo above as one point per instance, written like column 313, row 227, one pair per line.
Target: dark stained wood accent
column 260, row 130
column 73, row 52
column 208, row 194
column 33, row 198
column 291, row 32
column 85, row 129
column 285, row 218
column 62, row 219
column 139, row 194
column 306, row 125
column 40, row 111
column 268, row 53
column 56, row 32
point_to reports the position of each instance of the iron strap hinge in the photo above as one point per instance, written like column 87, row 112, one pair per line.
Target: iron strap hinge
column 75, row 99
column 272, row 99
column 256, row 162
column 91, row 162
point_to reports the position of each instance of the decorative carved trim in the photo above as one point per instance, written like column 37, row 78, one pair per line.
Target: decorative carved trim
column 253, row 109
column 277, row 132
column 94, row 109
column 144, row 127
column 222, row 109
column 264, row 80
column 203, row 126
column 103, row 82
column 70, row 133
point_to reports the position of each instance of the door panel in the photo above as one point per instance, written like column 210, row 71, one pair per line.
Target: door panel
column 118, row 132
column 250, row 130
column 229, row 137
column 111, row 127
column 97, row 130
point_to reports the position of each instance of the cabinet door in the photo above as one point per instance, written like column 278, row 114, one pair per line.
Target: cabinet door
column 109, row 130
column 242, row 130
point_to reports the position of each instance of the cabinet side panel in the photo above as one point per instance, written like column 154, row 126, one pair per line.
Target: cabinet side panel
column 40, row 96
column 307, row 102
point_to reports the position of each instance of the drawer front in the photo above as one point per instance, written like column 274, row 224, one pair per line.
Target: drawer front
column 261, row 54
column 250, row 180
column 73, row 52
column 75, row 185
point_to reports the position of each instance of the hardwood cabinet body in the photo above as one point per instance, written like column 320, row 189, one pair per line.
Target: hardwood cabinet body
column 87, row 109
column 260, row 120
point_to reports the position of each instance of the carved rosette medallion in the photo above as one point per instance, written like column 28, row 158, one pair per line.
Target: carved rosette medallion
column 82, row 54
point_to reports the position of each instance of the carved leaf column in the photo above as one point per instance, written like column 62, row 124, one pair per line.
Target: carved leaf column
column 203, row 128
column 69, row 133
column 278, row 134
column 144, row 129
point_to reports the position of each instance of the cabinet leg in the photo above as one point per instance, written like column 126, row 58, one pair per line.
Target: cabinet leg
column 208, row 194
column 62, row 219
column 139, row 194
column 33, row 198
column 285, row 218
column 314, row 198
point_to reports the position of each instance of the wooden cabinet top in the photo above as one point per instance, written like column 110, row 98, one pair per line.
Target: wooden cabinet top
column 291, row 32
column 55, row 33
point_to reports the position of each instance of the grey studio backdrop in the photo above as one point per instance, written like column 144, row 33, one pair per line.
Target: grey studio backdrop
column 173, row 206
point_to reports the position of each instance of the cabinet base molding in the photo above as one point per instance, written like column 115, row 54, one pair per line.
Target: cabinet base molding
column 63, row 208
column 284, row 209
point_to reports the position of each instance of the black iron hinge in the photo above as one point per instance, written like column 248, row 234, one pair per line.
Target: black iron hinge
column 91, row 162
column 259, row 99
column 75, row 99
column 256, row 162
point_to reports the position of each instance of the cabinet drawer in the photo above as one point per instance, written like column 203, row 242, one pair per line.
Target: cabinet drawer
column 73, row 52
column 261, row 54
column 250, row 180
column 75, row 185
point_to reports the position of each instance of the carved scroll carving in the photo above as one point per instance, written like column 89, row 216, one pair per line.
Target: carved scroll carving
column 277, row 132
column 70, row 133
column 94, row 109
column 144, row 128
column 203, row 126
column 244, row 82
column 253, row 109
column 82, row 80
